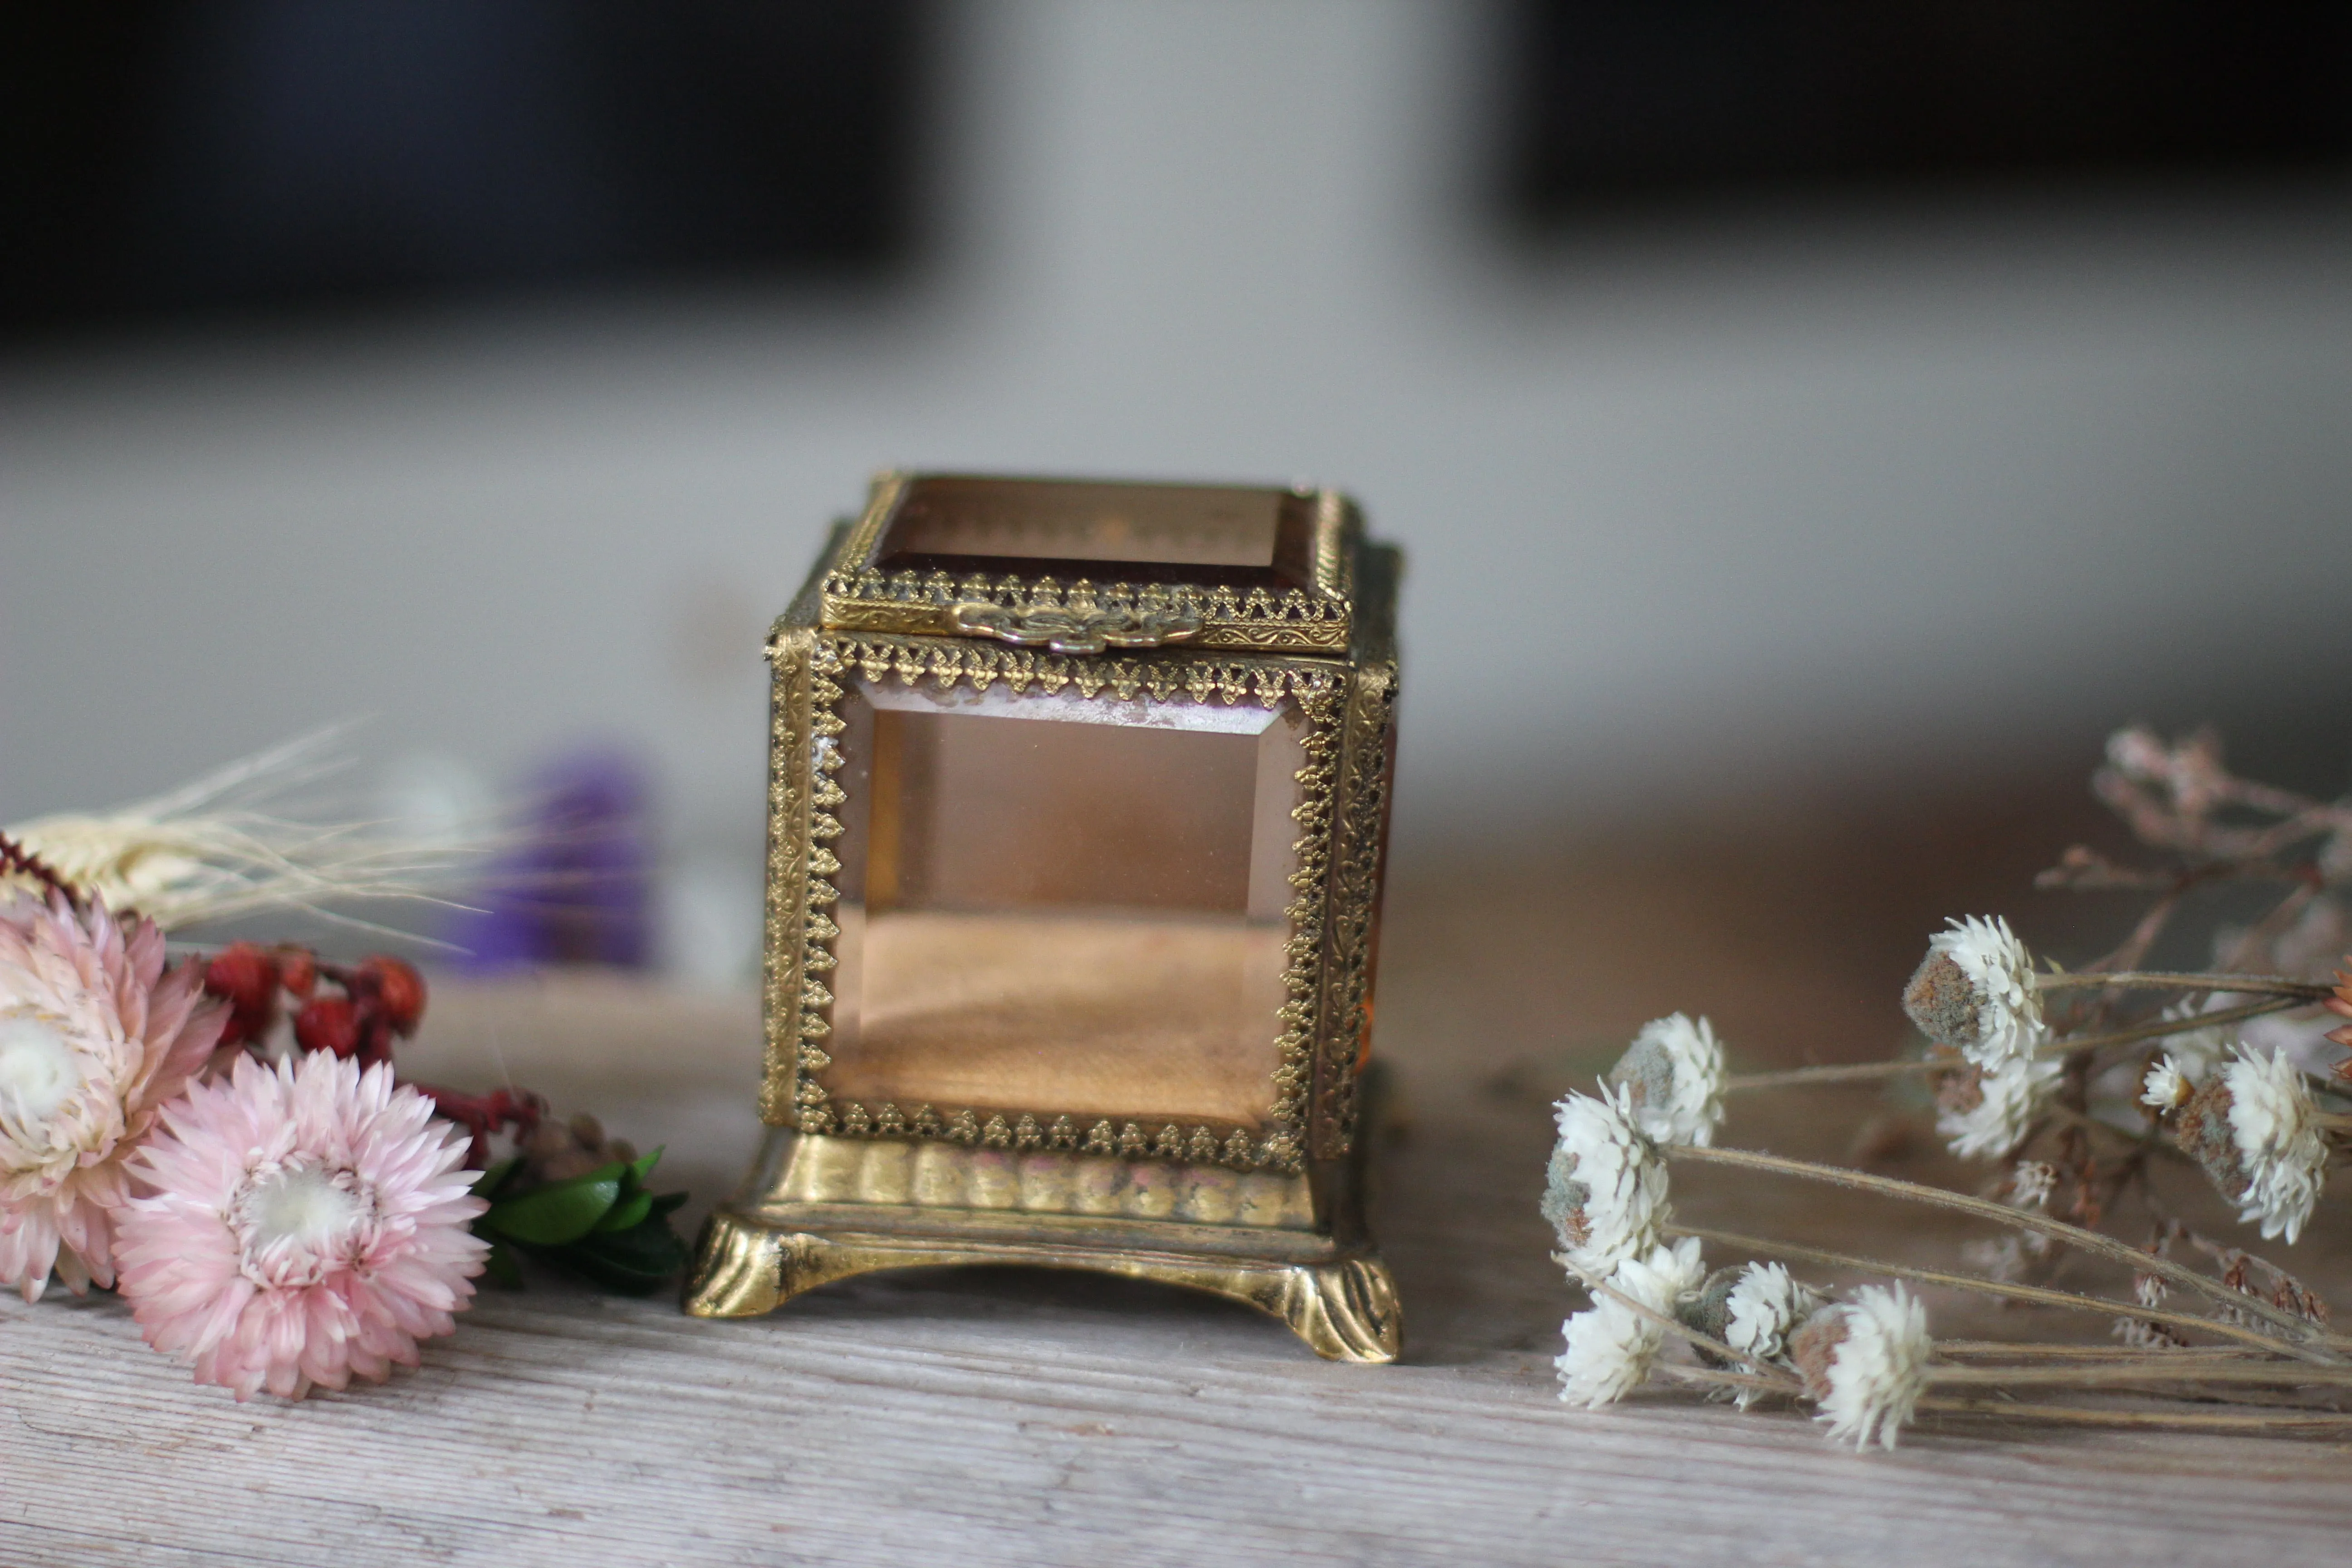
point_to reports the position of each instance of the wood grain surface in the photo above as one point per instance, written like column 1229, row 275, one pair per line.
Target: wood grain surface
column 985, row 1417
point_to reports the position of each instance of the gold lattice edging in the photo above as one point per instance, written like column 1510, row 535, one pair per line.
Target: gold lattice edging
column 857, row 596
column 803, row 795
column 1361, row 834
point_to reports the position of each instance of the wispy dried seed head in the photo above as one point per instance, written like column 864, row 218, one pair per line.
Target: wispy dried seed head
column 1975, row 992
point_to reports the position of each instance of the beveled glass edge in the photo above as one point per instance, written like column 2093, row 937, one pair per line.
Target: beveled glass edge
column 800, row 930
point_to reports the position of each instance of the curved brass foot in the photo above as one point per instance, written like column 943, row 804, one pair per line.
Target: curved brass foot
column 1346, row 1311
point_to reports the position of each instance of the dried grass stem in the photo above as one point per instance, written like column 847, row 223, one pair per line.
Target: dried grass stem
column 2301, row 1333
column 2031, row 1295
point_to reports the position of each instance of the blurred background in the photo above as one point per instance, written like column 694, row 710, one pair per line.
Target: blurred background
column 1813, row 424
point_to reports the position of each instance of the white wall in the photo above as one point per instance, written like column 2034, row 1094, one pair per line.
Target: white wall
column 1705, row 501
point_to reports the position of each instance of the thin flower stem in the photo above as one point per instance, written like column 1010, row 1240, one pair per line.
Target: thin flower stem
column 2027, row 1349
column 2033, row 1295
column 2173, row 1420
column 2091, row 1241
column 2156, row 1029
column 2237, row 985
column 1726, row 1379
column 2146, row 1369
column 1680, row 1329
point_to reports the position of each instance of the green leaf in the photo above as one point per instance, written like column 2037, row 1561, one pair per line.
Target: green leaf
column 559, row 1212
column 487, row 1184
column 632, row 1209
column 643, row 1165
column 500, row 1266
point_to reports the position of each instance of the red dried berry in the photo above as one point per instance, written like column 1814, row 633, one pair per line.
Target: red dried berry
column 297, row 969
column 245, row 977
column 328, row 1024
column 399, row 991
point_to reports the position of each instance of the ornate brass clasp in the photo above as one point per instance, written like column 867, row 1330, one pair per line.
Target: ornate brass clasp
column 1075, row 631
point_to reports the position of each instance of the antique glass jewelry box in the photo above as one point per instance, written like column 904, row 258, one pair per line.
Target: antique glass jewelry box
column 1078, row 798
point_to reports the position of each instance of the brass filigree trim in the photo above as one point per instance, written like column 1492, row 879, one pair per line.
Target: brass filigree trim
column 936, row 604
column 800, row 1005
column 1076, row 631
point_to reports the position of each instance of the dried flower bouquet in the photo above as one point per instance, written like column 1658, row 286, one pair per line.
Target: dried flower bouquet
column 278, row 1210
column 2069, row 1088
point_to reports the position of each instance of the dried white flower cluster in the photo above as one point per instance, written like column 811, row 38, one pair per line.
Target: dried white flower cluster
column 1975, row 992
column 1673, row 1076
column 1605, row 1192
column 2256, row 1129
column 1610, row 1346
column 1865, row 1364
column 1991, row 1110
column 1606, row 1197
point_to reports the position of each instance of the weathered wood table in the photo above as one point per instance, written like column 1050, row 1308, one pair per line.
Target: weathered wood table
column 996, row 1417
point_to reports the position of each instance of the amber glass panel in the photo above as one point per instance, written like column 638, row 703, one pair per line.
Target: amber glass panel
column 1205, row 533
column 1061, row 906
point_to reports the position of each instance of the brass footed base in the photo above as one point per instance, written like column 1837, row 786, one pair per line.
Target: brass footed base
column 1344, row 1306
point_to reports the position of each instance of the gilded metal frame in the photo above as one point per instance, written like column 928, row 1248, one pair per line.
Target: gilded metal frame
column 1318, row 619
column 812, row 1210
column 801, row 930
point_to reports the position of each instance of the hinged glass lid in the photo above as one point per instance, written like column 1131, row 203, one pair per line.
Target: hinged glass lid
column 1082, row 567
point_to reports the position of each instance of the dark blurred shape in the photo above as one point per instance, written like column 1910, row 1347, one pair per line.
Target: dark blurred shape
column 166, row 160
column 1619, row 101
column 580, row 888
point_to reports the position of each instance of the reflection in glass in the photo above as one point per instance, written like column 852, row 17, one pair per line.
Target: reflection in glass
column 1063, row 906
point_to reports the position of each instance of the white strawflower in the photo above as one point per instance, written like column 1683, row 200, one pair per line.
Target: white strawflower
column 1764, row 1308
column 2195, row 1052
column 1674, row 1073
column 1975, row 992
column 2031, row 1185
column 1865, row 1364
column 2274, row 1125
column 1605, row 1191
column 1611, row 1347
column 2168, row 1084
column 1987, row 1116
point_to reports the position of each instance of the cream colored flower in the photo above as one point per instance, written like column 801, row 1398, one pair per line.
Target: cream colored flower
column 1605, row 1191
column 1975, row 992
column 94, row 1037
column 2256, row 1129
column 1673, row 1074
column 1987, row 1110
column 2275, row 1124
column 1610, row 1346
column 2168, row 1085
column 1764, row 1308
column 1865, row 1364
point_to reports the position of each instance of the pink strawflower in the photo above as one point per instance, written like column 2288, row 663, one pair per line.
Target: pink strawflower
column 94, row 1036
column 308, row 1224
